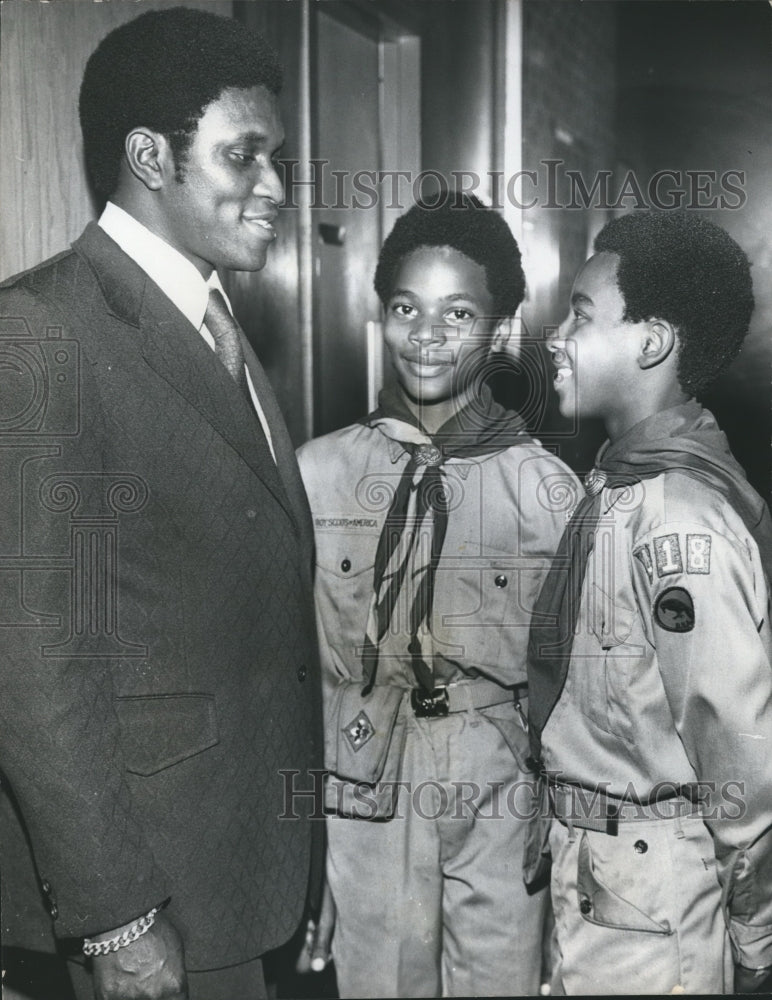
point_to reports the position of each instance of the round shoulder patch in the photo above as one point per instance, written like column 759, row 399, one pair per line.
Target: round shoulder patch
column 674, row 610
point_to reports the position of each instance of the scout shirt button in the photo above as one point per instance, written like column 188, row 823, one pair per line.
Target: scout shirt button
column 501, row 581
column 641, row 847
column 302, row 674
column 585, row 906
column 346, row 565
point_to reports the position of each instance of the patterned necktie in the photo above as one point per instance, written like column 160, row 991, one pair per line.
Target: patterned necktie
column 227, row 341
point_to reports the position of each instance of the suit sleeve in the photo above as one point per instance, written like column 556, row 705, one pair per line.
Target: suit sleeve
column 704, row 602
column 60, row 747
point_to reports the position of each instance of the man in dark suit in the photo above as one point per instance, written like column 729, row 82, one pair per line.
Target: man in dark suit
column 158, row 663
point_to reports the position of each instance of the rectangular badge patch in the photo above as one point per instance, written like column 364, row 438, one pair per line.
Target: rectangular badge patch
column 667, row 553
column 643, row 554
column 698, row 553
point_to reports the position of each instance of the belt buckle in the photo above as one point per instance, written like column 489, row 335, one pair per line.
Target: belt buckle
column 429, row 704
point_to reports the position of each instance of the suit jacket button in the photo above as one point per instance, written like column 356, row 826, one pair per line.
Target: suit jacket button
column 46, row 887
column 54, row 911
column 585, row 906
column 251, row 514
column 301, row 674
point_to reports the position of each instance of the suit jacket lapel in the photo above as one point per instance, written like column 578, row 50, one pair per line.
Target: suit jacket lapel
column 180, row 356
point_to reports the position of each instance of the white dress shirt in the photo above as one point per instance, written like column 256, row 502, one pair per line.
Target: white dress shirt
column 175, row 275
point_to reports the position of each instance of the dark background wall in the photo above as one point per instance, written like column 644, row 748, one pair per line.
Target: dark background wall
column 569, row 109
column 698, row 97
column 622, row 91
column 459, row 63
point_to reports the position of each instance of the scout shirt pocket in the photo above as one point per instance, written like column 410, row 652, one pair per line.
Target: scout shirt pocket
column 364, row 741
column 480, row 608
column 345, row 562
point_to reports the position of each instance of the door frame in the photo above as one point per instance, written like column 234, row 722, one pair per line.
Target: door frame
column 395, row 26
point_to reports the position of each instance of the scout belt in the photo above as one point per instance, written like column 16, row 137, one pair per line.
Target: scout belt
column 592, row 809
column 463, row 696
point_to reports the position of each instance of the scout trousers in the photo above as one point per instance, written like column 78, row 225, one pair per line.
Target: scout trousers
column 431, row 902
column 639, row 912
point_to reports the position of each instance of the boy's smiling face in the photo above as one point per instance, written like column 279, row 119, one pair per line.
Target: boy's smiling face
column 438, row 329
column 595, row 353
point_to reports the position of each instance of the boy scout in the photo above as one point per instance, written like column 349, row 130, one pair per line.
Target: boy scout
column 649, row 667
column 433, row 531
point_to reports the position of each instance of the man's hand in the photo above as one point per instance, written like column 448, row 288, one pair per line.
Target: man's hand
column 752, row 980
column 315, row 955
column 151, row 968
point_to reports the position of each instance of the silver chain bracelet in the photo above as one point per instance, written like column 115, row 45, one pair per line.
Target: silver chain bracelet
column 142, row 926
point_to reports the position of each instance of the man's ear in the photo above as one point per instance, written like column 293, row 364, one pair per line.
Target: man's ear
column 657, row 343
column 501, row 334
column 149, row 157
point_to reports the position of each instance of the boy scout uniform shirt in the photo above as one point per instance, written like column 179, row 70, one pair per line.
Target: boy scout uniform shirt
column 669, row 681
column 454, row 918
column 507, row 511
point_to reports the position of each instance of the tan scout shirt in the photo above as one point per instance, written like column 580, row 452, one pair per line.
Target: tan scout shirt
column 670, row 680
column 507, row 512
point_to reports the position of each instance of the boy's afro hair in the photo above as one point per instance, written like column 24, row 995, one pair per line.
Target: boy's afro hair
column 464, row 223
column 681, row 268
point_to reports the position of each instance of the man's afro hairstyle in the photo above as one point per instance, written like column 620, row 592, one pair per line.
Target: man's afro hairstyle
column 681, row 268
column 161, row 70
column 464, row 223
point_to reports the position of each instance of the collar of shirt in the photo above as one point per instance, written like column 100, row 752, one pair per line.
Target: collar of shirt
column 175, row 275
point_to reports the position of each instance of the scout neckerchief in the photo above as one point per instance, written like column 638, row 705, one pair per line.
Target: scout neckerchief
column 420, row 500
column 684, row 437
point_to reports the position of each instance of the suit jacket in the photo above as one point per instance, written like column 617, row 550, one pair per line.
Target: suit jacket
column 158, row 659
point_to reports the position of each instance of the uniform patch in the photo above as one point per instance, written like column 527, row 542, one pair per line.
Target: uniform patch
column 698, row 553
column 345, row 522
column 359, row 731
column 674, row 610
column 667, row 553
column 643, row 554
